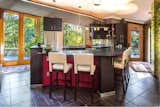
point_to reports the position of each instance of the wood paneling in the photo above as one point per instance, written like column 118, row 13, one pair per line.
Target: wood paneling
column 139, row 28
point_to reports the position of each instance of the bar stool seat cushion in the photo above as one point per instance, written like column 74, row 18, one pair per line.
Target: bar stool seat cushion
column 118, row 65
column 86, row 68
column 61, row 67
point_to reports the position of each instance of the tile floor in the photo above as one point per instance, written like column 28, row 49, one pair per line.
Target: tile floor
column 143, row 90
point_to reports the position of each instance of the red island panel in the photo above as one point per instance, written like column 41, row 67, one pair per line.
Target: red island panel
column 85, row 78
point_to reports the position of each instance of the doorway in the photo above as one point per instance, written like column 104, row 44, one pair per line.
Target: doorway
column 135, row 41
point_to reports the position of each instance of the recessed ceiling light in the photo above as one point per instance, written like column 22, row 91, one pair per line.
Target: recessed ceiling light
column 79, row 6
column 97, row 4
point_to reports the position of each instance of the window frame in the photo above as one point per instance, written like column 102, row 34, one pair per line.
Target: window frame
column 84, row 38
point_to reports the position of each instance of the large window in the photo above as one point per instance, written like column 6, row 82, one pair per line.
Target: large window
column 19, row 32
column 10, row 37
column 74, row 35
column 29, row 35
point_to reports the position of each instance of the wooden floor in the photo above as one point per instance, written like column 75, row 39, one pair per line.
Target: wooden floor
column 16, row 91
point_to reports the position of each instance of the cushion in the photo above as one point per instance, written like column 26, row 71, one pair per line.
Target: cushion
column 61, row 67
column 86, row 68
column 118, row 65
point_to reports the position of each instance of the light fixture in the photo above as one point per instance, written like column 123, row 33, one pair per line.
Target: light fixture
column 97, row 2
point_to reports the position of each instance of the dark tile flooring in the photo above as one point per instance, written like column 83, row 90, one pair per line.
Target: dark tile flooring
column 143, row 90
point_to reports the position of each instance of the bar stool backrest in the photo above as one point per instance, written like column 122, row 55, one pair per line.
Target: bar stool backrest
column 124, row 57
column 84, row 59
column 128, row 54
column 56, row 58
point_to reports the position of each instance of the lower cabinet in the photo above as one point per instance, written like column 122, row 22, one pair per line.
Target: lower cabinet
column 36, row 65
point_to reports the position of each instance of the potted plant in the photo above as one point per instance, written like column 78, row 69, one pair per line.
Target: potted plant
column 38, row 41
column 48, row 48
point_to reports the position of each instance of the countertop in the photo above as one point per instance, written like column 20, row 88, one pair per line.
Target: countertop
column 97, row 52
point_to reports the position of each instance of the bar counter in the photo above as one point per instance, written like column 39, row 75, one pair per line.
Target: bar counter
column 104, row 74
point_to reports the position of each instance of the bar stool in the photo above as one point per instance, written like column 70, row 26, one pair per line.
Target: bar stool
column 58, row 62
column 84, row 63
column 120, row 70
column 127, row 64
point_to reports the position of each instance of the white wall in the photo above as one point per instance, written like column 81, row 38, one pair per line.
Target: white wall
column 54, row 38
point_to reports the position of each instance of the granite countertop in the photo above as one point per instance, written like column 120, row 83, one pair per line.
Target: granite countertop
column 96, row 52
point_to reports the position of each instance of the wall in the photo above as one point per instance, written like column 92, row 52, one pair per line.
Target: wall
column 156, row 37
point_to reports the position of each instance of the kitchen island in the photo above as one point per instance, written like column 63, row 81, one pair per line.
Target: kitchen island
column 104, row 74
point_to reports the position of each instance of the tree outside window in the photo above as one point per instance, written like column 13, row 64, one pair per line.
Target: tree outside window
column 74, row 35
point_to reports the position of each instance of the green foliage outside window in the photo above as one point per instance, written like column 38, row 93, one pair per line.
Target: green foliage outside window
column 74, row 35
column 29, row 34
column 11, row 34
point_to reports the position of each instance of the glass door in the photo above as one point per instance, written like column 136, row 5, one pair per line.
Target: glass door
column 135, row 41
column 11, row 25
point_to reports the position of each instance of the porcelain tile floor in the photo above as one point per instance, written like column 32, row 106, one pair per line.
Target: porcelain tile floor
column 143, row 90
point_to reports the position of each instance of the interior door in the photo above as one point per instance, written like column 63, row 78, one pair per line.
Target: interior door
column 135, row 41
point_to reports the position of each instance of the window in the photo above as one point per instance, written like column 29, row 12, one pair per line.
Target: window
column 135, row 36
column 74, row 35
column 10, row 37
column 29, row 35
column 19, row 32
column 101, row 42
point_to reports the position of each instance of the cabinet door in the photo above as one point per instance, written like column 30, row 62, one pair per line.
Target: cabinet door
column 135, row 41
column 36, row 66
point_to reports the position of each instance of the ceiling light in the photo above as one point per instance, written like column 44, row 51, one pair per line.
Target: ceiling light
column 97, row 2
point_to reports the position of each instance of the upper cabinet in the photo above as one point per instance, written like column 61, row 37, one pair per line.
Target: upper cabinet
column 101, row 31
column 112, row 30
column 121, row 33
column 52, row 24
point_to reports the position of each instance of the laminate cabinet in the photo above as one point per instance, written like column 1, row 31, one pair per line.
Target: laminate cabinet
column 52, row 24
column 121, row 33
column 36, row 65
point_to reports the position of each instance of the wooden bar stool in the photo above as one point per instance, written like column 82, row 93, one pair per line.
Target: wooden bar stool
column 58, row 62
column 120, row 70
column 84, row 63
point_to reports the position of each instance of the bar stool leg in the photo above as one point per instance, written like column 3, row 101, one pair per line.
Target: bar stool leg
column 92, row 91
column 56, row 79
column 65, row 86
column 128, row 74
column 71, row 78
column 50, row 89
column 125, row 77
column 123, row 82
column 75, row 88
